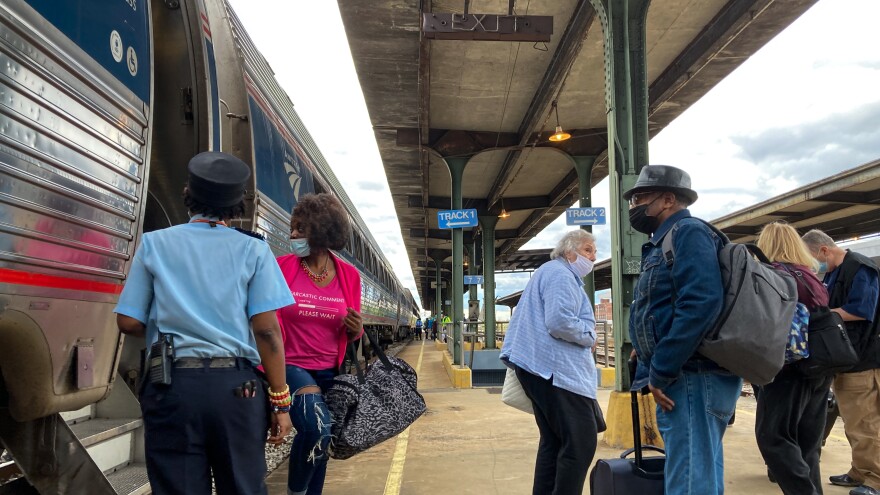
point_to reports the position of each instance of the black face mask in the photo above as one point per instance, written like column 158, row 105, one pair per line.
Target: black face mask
column 640, row 220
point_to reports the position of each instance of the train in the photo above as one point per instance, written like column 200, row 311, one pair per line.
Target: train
column 102, row 104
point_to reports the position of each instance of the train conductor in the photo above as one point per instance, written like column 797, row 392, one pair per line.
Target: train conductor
column 204, row 296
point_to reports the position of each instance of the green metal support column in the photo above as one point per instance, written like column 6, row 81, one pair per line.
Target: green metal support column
column 472, row 270
column 626, row 100
column 438, row 292
column 487, row 224
column 584, row 167
column 456, row 171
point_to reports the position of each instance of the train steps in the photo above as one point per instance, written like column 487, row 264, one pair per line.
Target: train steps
column 98, row 449
column 116, row 446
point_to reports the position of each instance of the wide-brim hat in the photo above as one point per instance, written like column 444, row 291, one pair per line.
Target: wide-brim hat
column 217, row 179
column 663, row 178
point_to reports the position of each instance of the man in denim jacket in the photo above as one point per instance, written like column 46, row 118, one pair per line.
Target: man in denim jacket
column 674, row 306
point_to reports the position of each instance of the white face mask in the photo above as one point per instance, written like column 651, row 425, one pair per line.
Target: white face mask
column 582, row 266
column 300, row 247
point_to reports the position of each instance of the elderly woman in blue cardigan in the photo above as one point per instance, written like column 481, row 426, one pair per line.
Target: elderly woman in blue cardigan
column 549, row 344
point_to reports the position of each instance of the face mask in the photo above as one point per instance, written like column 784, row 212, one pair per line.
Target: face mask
column 582, row 266
column 640, row 221
column 823, row 265
column 300, row 247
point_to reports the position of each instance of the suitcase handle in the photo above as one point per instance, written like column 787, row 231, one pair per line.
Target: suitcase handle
column 627, row 452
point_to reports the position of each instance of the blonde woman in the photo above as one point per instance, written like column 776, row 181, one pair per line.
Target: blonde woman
column 791, row 410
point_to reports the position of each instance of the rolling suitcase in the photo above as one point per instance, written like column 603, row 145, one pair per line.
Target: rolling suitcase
column 642, row 476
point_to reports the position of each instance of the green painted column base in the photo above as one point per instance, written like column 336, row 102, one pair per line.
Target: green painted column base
column 619, row 420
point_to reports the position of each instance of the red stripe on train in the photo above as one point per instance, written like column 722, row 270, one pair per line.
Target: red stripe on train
column 8, row 276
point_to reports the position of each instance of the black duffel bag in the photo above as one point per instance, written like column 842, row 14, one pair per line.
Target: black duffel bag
column 831, row 351
column 369, row 408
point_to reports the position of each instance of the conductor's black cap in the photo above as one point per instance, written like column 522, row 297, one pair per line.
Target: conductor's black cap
column 217, row 179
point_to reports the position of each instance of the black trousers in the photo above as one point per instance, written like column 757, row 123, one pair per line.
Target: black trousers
column 789, row 428
column 198, row 426
column 567, row 425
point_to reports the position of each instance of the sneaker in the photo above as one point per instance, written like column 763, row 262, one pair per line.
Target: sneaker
column 844, row 480
column 864, row 490
column 770, row 476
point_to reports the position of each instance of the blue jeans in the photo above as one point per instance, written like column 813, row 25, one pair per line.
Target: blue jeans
column 311, row 419
column 693, row 431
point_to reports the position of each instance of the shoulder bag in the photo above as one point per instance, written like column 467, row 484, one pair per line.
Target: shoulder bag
column 513, row 394
column 369, row 408
column 830, row 350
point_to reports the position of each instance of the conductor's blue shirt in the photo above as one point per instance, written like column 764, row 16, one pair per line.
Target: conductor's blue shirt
column 202, row 285
column 552, row 331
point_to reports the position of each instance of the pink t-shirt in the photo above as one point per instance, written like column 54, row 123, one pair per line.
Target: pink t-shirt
column 312, row 326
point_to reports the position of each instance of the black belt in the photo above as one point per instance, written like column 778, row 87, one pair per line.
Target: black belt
column 219, row 362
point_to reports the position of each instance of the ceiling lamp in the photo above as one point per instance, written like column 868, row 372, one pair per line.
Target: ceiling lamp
column 503, row 213
column 559, row 135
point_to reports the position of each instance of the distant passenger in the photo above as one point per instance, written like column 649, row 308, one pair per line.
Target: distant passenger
column 852, row 281
column 419, row 329
column 673, row 308
column 317, row 329
column 432, row 328
column 214, row 292
column 447, row 323
column 791, row 409
column 549, row 344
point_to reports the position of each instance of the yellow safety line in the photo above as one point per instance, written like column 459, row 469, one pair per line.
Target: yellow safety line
column 836, row 437
column 395, row 474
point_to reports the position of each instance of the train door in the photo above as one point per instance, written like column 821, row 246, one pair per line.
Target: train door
column 185, row 90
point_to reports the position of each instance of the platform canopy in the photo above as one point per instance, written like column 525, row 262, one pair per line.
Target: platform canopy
column 493, row 101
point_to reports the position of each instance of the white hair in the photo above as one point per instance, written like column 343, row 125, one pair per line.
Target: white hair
column 570, row 243
column 815, row 239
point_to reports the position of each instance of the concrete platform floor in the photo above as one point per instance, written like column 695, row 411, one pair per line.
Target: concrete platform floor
column 469, row 442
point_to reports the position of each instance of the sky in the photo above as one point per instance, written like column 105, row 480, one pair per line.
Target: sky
column 804, row 107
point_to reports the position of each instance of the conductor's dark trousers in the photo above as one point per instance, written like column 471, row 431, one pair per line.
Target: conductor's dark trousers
column 198, row 425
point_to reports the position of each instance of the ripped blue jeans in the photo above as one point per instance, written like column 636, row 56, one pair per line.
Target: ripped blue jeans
column 311, row 419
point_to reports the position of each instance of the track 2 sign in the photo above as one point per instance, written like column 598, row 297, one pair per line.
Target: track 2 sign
column 585, row 216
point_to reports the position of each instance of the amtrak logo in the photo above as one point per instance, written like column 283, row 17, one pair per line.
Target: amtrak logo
column 293, row 175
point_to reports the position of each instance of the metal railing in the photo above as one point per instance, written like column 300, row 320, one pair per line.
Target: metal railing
column 603, row 352
column 607, row 350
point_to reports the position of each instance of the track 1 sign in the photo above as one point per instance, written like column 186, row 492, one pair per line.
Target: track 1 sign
column 456, row 219
column 585, row 216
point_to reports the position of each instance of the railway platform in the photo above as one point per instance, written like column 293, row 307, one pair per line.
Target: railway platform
column 469, row 442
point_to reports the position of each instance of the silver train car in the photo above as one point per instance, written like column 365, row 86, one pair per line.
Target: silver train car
column 102, row 103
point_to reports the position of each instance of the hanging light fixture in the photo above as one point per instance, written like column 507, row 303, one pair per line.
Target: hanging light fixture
column 503, row 213
column 559, row 135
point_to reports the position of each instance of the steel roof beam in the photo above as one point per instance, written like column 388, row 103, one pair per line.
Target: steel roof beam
column 851, row 197
column 481, row 205
column 566, row 52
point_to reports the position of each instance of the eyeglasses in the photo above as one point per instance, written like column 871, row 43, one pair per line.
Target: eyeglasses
column 637, row 198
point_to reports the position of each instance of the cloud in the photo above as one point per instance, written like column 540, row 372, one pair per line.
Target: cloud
column 371, row 186
column 816, row 149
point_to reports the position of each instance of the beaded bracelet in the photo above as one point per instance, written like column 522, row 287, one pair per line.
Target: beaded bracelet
column 282, row 402
column 284, row 392
column 281, row 409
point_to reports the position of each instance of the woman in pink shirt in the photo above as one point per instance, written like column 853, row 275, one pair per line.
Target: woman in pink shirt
column 316, row 329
